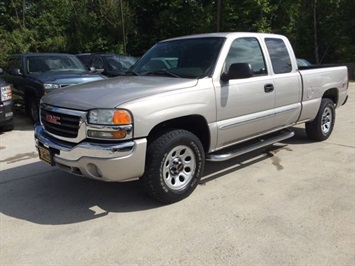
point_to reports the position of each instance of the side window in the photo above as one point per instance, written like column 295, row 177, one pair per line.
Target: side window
column 280, row 58
column 97, row 63
column 85, row 60
column 14, row 63
column 247, row 50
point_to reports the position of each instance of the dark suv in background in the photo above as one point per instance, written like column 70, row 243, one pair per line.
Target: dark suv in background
column 33, row 75
column 6, row 106
column 110, row 65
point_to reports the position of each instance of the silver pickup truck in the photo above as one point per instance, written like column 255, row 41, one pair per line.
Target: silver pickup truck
column 188, row 100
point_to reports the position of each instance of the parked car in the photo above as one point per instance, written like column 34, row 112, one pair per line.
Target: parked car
column 228, row 94
column 110, row 65
column 6, row 106
column 34, row 75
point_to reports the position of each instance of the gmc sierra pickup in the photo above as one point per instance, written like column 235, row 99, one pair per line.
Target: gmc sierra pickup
column 189, row 99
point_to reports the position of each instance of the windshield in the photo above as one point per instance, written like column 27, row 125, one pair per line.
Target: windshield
column 36, row 64
column 187, row 58
column 117, row 62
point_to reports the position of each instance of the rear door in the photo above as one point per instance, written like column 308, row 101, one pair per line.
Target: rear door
column 287, row 82
column 245, row 107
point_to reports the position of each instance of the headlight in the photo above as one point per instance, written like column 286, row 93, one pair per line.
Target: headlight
column 109, row 117
column 6, row 93
column 51, row 86
column 109, row 124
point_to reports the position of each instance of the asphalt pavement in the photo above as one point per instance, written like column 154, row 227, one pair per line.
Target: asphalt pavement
column 290, row 204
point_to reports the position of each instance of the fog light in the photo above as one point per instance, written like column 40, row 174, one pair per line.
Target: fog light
column 94, row 170
column 107, row 134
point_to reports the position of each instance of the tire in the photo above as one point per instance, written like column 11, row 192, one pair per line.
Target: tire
column 174, row 166
column 33, row 109
column 6, row 128
column 322, row 126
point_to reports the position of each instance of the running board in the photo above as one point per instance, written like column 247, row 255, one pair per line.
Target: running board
column 214, row 157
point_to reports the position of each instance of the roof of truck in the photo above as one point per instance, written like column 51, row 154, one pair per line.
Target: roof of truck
column 225, row 35
column 42, row 54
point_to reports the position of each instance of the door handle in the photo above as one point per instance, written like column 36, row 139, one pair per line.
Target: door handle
column 268, row 88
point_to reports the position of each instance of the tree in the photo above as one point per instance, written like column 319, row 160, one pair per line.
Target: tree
column 319, row 30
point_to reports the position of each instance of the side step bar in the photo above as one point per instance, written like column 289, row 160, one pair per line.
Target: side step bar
column 260, row 144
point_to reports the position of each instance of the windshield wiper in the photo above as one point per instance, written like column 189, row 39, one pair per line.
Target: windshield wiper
column 162, row 72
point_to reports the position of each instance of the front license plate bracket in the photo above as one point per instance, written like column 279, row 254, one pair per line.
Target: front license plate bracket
column 46, row 155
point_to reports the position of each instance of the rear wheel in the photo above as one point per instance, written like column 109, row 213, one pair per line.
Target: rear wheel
column 174, row 166
column 322, row 126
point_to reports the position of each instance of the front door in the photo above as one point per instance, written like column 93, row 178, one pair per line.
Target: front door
column 245, row 107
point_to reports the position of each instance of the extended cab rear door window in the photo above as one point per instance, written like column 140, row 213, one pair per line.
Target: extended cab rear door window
column 247, row 50
column 14, row 62
column 97, row 63
column 280, row 58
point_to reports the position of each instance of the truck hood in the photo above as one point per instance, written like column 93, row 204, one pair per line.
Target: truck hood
column 67, row 78
column 112, row 92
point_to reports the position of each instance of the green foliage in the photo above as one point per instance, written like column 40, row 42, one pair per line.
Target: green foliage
column 96, row 25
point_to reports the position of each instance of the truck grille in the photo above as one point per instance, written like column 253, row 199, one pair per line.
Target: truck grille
column 60, row 124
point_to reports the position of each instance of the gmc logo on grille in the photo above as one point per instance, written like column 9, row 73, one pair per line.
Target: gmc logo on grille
column 53, row 119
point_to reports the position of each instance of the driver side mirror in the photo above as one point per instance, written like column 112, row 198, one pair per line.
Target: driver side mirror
column 98, row 70
column 238, row 71
column 15, row 72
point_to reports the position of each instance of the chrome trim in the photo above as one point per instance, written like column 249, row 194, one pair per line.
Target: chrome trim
column 82, row 149
column 84, row 126
column 109, row 127
column 241, row 151
column 252, row 137
column 250, row 120
column 245, row 121
column 127, row 128
column 285, row 111
column 119, row 162
column 63, row 110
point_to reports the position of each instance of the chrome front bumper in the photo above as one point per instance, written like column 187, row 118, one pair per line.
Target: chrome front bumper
column 108, row 162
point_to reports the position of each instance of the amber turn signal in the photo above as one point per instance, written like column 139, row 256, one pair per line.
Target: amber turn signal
column 121, row 117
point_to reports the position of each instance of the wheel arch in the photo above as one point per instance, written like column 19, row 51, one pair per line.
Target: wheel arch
column 332, row 94
column 32, row 94
column 196, row 124
column 29, row 93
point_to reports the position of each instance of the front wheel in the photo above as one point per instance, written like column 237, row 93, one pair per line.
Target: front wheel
column 174, row 166
column 322, row 126
column 33, row 109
